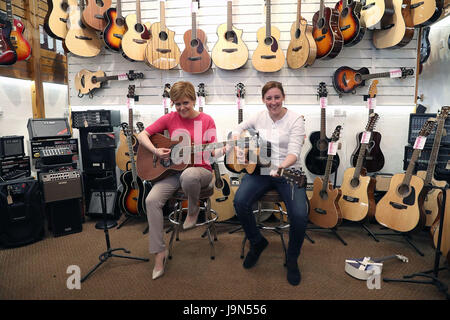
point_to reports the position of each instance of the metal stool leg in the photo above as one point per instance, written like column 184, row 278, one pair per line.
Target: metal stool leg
column 243, row 247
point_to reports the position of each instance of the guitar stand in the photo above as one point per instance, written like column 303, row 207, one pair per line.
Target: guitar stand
column 405, row 236
column 361, row 223
column 106, row 225
column 334, row 230
column 434, row 279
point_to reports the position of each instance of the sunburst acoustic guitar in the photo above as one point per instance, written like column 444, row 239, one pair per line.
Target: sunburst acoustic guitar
column 55, row 22
column 135, row 39
column 115, row 27
column 93, row 13
column 350, row 23
column 326, row 32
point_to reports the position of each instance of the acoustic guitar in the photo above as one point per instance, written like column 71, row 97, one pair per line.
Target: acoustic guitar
column 55, row 22
column 316, row 159
column 324, row 208
column 162, row 51
column 326, row 32
column 135, row 39
column 397, row 31
column 230, row 51
column 80, row 39
column 93, row 13
column 268, row 56
column 399, row 209
column 363, row 268
column 20, row 44
column 8, row 54
column 358, row 201
column 374, row 158
column 195, row 57
column 374, row 11
column 425, row 13
column 346, row 79
column 435, row 228
column 115, row 27
column 302, row 48
column 431, row 204
column 351, row 26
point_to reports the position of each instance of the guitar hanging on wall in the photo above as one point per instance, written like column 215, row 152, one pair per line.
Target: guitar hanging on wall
column 115, row 27
column 350, row 24
column 135, row 39
column 8, row 54
column 55, row 22
column 326, row 32
column 93, row 13
column 20, row 44
column 425, row 13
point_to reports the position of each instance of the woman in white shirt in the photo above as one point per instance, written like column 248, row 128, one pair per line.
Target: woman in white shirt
column 285, row 130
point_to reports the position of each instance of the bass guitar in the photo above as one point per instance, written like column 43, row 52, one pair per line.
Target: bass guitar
column 374, row 158
column 229, row 52
column 195, row 57
column 55, row 22
column 8, row 54
column 350, row 24
column 135, row 39
column 324, row 210
column 162, row 51
column 20, row 44
column 399, row 209
column 358, row 200
column 346, row 79
column 268, row 56
column 316, row 158
column 425, row 13
column 326, row 32
column 363, row 268
column 302, row 48
column 93, row 14
column 375, row 11
column 115, row 27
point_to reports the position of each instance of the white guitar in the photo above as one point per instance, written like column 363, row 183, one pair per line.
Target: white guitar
column 363, row 268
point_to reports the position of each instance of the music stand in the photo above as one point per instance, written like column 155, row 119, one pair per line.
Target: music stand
column 434, row 280
column 106, row 225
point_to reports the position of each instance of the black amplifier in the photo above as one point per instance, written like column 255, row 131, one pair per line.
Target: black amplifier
column 37, row 146
column 15, row 168
column 442, row 170
column 101, row 140
column 416, row 121
column 61, row 185
column 11, row 146
column 95, row 118
column 48, row 128
column 60, row 154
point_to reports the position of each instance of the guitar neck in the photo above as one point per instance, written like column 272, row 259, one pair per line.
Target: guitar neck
column 375, row 75
column 385, row 258
column 132, row 160
column 359, row 162
column 130, row 117
column 323, row 127
column 162, row 13
column 194, row 25
column 434, row 152
column 268, row 21
column 327, row 172
column 229, row 15
column 119, row 9
column 9, row 12
column 240, row 112
column 138, row 12
column 321, row 10
column 410, row 169
column 299, row 14
column 107, row 78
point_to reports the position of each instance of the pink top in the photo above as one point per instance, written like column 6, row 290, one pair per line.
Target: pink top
column 200, row 130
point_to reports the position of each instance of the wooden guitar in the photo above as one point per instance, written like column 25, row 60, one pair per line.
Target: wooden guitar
column 20, row 44
column 162, row 51
column 346, row 79
column 229, row 52
column 115, row 27
column 55, row 22
column 445, row 238
column 398, row 31
column 80, row 39
column 358, row 201
column 351, row 26
column 316, row 159
column 326, row 32
column 135, row 39
column 8, row 54
column 374, row 158
column 302, row 48
column 425, row 12
column 363, row 268
column 430, row 206
column 93, row 14
column 324, row 208
column 399, row 209
column 268, row 56
column 375, row 11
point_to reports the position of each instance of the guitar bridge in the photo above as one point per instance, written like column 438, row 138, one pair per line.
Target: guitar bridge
column 194, row 58
column 83, row 38
column 389, row 26
column 119, row 36
column 319, row 38
column 297, row 48
column 397, row 205
column 164, row 50
column 99, row 16
column 345, row 28
column 229, row 50
column 268, row 57
column 140, row 41
column 350, row 199
column 320, row 211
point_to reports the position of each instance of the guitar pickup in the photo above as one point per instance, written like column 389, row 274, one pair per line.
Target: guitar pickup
column 268, row 57
column 345, row 27
column 319, row 38
column 320, row 211
column 398, row 205
column 194, row 58
column 164, row 50
column 229, row 50
column 350, row 199
column 297, row 48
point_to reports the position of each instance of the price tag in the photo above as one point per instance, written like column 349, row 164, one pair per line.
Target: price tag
column 122, row 77
column 201, row 102
column 323, row 102
column 365, row 138
column 371, row 103
column 166, row 103
column 130, row 103
column 194, row 7
column 395, row 73
column 420, row 142
column 332, row 148
column 240, row 103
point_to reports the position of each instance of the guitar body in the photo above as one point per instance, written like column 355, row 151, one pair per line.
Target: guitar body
column 324, row 208
column 302, row 49
column 400, row 31
column 374, row 158
column 84, row 83
column 431, row 204
column 350, row 25
column 8, row 55
column 93, row 14
column 132, row 198
column 23, row 48
column 357, row 201
column 135, row 39
column 425, row 13
column 162, row 52
column 327, row 34
column 55, row 22
column 346, row 79
column 114, row 30
column 195, row 57
column 316, row 158
column 401, row 211
column 374, row 11
column 229, row 52
column 232, row 163
column 445, row 239
column 268, row 57
column 122, row 154
column 222, row 199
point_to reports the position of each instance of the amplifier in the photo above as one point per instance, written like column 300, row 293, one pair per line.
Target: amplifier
column 11, row 146
column 442, row 162
column 61, row 185
column 95, row 118
column 61, row 154
column 37, row 146
column 416, row 122
column 15, row 168
column 101, row 140
column 48, row 128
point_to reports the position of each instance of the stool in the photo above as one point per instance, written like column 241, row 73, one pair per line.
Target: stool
column 210, row 216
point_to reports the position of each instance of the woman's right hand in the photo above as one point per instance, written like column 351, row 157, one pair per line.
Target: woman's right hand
column 163, row 153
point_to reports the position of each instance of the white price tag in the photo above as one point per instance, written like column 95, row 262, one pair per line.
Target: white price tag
column 365, row 138
column 122, row 76
column 201, row 102
column 371, row 103
column 240, row 103
column 395, row 73
column 420, row 142
column 166, row 103
column 194, row 7
column 130, row 103
column 332, row 148
column 323, row 102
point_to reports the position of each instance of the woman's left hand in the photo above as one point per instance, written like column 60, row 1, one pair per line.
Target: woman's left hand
column 274, row 173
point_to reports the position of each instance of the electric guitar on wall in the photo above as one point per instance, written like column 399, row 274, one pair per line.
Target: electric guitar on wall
column 195, row 57
column 229, row 52
column 55, row 22
column 350, row 24
column 135, row 39
column 302, row 48
column 20, row 44
column 93, row 13
column 268, row 56
column 425, row 12
column 316, row 159
column 324, row 208
column 326, row 32
column 399, row 209
column 115, row 27
column 8, row 54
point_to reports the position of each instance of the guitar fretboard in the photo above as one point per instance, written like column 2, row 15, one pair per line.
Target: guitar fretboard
column 268, row 21
column 434, row 152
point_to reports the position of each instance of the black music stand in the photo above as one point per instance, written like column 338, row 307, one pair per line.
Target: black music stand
column 434, row 279
column 105, row 225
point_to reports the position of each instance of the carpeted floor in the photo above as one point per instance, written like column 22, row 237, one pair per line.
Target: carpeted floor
column 39, row 271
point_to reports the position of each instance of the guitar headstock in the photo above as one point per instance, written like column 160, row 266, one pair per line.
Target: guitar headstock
column 443, row 113
column 201, row 90
column 166, row 91
column 131, row 89
column 240, row 90
column 135, row 75
column 373, row 118
column 407, row 72
column 336, row 133
column 124, row 126
column 322, row 90
column 373, row 89
column 140, row 126
column 294, row 176
column 427, row 127
column 401, row 257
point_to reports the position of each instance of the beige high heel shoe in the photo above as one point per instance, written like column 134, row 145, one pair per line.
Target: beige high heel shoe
column 160, row 273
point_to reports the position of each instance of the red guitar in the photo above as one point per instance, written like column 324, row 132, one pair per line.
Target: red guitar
column 21, row 45
column 7, row 53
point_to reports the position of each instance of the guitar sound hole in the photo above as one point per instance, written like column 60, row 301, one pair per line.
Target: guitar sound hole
column 297, row 33
column 139, row 27
column 65, row 6
column 268, row 41
column 323, row 194
column 403, row 190
column 358, row 77
column 344, row 12
column 194, row 42
column 120, row 21
column 99, row 3
column 163, row 36
column 320, row 23
column 354, row 182
column 230, row 35
column 322, row 145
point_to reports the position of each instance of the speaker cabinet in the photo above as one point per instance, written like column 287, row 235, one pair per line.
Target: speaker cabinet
column 65, row 216
column 112, row 205
column 96, row 160
column 21, row 213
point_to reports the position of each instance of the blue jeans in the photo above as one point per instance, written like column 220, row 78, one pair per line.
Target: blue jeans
column 253, row 187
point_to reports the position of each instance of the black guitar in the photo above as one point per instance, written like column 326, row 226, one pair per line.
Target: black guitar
column 317, row 156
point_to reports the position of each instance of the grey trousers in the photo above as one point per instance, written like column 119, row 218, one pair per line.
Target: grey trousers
column 191, row 180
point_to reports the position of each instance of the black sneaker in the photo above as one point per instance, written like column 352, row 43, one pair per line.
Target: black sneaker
column 293, row 273
column 254, row 253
